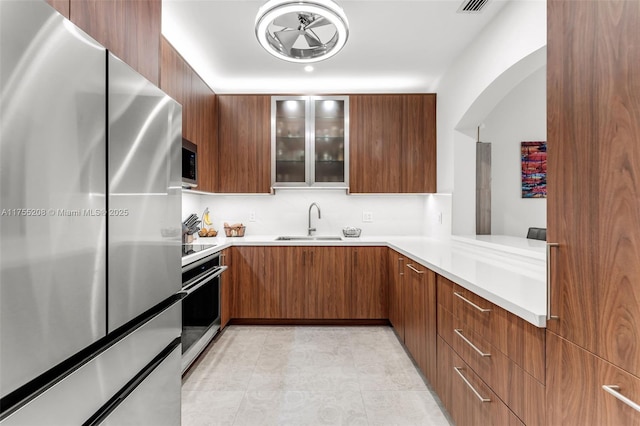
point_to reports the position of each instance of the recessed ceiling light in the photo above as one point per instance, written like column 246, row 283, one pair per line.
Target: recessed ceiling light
column 308, row 68
column 302, row 31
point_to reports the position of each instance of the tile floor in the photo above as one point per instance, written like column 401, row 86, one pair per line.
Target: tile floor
column 258, row 375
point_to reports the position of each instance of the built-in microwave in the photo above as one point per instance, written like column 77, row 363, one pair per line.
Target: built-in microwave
column 189, row 164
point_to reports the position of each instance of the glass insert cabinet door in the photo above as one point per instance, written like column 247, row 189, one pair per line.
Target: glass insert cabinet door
column 310, row 141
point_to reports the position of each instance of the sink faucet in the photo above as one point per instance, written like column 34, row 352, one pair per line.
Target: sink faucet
column 310, row 229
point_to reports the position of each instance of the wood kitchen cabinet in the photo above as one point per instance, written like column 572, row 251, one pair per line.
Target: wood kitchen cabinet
column 396, row 285
column 61, row 6
column 248, row 281
column 287, row 295
column 312, row 282
column 575, row 380
column 593, row 216
column 244, row 144
column 130, row 29
column 369, row 283
column 225, row 289
column 420, row 317
column 375, row 133
column 418, row 168
column 199, row 112
column 392, row 143
column 466, row 397
column 328, row 286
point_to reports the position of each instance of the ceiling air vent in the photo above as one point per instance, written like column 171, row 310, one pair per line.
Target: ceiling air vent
column 472, row 6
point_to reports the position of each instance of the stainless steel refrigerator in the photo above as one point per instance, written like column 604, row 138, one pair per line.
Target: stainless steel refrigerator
column 89, row 231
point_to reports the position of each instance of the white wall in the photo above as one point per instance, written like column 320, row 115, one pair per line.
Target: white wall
column 505, row 53
column 286, row 212
column 520, row 116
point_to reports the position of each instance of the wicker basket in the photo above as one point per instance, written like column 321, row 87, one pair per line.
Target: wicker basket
column 237, row 231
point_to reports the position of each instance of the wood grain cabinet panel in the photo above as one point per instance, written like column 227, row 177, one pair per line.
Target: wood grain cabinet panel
column 392, row 143
column 369, row 283
column 130, row 29
column 521, row 341
column 328, row 283
column 61, row 6
column 247, row 275
column 419, row 143
column 244, row 144
column 520, row 391
column 594, row 125
column 225, row 290
column 420, row 317
column 287, row 297
column 199, row 112
column 461, row 390
column 307, row 283
column 396, row 285
column 574, row 389
column 375, row 133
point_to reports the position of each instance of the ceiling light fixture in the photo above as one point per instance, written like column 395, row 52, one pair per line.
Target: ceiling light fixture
column 302, row 31
column 308, row 68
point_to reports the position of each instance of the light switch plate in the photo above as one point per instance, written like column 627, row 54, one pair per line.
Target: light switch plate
column 367, row 216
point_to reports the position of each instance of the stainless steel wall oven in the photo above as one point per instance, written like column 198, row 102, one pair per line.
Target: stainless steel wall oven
column 200, row 306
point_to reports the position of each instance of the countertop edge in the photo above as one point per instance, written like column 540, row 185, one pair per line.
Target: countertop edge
column 219, row 244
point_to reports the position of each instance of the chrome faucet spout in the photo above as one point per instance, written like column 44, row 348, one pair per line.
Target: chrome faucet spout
column 310, row 230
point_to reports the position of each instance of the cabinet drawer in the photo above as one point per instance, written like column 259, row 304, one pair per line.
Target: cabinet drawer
column 467, row 397
column 575, row 394
column 521, row 341
column 522, row 393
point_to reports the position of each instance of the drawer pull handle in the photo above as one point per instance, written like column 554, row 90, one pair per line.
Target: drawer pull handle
column 471, row 303
column 550, row 316
column 459, row 371
column 414, row 269
column 615, row 391
column 458, row 331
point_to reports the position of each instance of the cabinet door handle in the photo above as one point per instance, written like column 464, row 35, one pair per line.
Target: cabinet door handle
column 549, row 315
column 458, row 331
column 400, row 260
column 615, row 391
column 459, row 371
column 304, row 258
column 484, row 310
column 414, row 269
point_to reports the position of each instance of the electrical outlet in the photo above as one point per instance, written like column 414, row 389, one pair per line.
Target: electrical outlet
column 440, row 218
column 252, row 216
column 367, row 216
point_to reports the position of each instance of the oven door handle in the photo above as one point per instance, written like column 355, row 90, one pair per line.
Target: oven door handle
column 199, row 283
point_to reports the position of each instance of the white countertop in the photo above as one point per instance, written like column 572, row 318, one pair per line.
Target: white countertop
column 508, row 271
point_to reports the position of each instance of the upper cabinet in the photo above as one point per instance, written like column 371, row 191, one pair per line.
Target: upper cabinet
column 243, row 144
column 392, row 143
column 199, row 112
column 309, row 141
column 130, row 29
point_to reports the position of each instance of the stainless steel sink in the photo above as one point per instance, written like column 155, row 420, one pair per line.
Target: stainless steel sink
column 312, row 238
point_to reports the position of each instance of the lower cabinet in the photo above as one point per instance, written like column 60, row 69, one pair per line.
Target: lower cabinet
column 248, row 281
column 419, row 302
column 369, row 283
column 575, row 393
column 396, row 267
column 494, row 352
column 307, row 283
column 303, row 282
column 225, row 290
column 465, row 395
